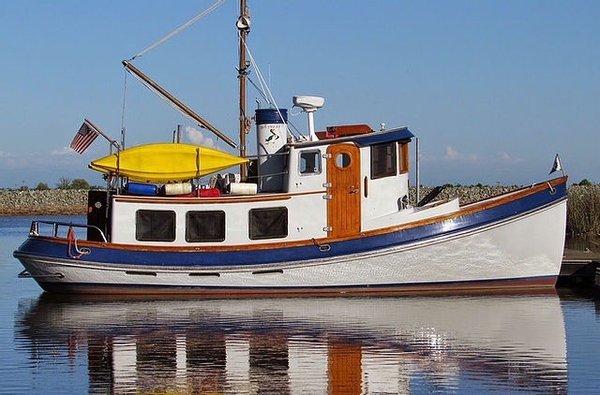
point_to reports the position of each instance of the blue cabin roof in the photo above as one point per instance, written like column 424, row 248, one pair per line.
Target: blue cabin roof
column 363, row 140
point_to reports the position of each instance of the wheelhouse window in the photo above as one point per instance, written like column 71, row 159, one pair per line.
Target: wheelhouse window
column 155, row 225
column 268, row 223
column 383, row 160
column 204, row 226
column 310, row 162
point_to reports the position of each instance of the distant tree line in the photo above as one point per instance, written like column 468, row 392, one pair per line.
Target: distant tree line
column 63, row 183
column 584, row 182
column 77, row 183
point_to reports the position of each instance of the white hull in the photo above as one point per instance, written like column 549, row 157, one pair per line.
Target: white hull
column 529, row 246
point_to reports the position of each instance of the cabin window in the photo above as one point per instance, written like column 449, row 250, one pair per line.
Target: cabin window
column 403, row 151
column 205, row 226
column 155, row 225
column 383, row 160
column 310, row 162
column 268, row 223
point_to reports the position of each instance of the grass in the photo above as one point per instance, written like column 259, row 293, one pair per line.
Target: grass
column 583, row 210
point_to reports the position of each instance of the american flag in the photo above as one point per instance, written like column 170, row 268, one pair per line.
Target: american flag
column 85, row 136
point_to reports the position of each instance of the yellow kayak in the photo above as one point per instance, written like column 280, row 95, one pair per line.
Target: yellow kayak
column 162, row 162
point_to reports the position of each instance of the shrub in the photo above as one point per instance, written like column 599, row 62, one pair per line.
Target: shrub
column 584, row 182
column 79, row 183
column 42, row 186
column 584, row 210
column 64, row 183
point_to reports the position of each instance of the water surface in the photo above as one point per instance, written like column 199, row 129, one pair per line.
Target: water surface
column 515, row 343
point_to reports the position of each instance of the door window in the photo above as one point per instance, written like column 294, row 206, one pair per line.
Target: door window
column 343, row 160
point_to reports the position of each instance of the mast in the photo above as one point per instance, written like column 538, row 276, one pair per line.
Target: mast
column 243, row 25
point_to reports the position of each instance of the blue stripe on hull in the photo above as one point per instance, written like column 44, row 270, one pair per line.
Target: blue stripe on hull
column 47, row 248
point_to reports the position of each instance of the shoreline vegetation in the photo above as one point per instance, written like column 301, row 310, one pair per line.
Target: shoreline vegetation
column 70, row 198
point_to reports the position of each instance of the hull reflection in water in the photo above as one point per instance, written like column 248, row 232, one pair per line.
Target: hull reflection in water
column 353, row 345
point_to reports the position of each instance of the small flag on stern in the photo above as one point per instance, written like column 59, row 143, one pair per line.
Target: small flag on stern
column 85, row 137
column 556, row 166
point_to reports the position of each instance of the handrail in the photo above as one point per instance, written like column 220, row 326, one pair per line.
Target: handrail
column 35, row 229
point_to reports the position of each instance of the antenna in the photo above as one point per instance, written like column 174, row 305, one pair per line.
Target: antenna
column 310, row 104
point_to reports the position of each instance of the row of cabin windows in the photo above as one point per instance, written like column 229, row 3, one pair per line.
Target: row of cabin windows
column 384, row 162
column 209, row 226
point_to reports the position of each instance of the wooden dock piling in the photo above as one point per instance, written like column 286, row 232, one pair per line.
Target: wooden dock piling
column 580, row 268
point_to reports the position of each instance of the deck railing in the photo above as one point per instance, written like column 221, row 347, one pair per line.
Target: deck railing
column 34, row 230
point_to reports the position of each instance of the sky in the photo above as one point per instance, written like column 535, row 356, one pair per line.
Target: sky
column 493, row 89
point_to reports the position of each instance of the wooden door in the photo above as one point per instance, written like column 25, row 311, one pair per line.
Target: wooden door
column 343, row 178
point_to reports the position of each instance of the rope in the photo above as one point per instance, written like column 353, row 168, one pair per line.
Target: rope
column 72, row 242
column 180, row 28
column 198, row 162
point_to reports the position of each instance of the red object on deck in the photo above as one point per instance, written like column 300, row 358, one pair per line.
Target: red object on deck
column 206, row 192
column 333, row 132
column 209, row 192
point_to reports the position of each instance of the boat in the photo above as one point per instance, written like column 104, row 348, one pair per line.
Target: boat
column 314, row 345
column 319, row 213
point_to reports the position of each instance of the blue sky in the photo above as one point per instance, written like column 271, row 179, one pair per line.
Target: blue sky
column 493, row 88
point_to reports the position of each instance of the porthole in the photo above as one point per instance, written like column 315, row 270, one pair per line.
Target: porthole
column 343, row 160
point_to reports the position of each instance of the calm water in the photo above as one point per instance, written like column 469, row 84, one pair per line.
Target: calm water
column 542, row 343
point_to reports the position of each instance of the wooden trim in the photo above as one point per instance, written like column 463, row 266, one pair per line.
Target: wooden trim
column 477, row 287
column 465, row 210
column 203, row 200
column 404, row 158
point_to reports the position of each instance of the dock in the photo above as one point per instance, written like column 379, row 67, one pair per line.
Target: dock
column 580, row 268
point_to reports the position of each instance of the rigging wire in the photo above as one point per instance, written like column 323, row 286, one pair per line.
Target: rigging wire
column 258, row 89
column 153, row 90
column 173, row 105
column 266, row 99
column 263, row 84
column 179, row 29
column 295, row 128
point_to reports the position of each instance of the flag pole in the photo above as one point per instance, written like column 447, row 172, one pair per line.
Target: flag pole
column 101, row 133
